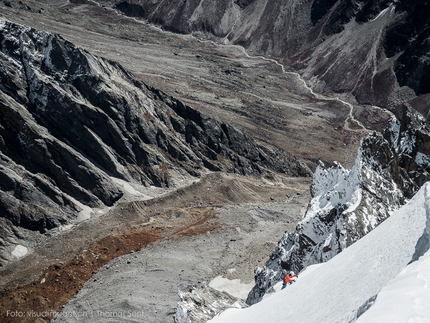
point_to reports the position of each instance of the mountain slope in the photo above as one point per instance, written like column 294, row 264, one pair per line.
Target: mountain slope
column 341, row 289
column 374, row 49
column 71, row 124
column 405, row 298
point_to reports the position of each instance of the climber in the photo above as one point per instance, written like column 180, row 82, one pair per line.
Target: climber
column 289, row 278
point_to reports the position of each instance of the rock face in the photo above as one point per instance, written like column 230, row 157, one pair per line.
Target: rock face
column 200, row 304
column 347, row 204
column 70, row 122
column 376, row 50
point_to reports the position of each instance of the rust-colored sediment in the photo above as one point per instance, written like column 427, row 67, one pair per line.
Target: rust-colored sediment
column 40, row 300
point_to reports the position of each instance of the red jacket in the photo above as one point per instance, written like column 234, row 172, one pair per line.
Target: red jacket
column 289, row 279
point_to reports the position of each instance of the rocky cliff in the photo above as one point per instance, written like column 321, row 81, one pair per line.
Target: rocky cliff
column 376, row 50
column 70, row 123
column 347, row 204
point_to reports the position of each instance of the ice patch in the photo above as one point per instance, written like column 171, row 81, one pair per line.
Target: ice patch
column 233, row 287
column 19, row 251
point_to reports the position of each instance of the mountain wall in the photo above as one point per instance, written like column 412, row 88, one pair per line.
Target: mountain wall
column 377, row 50
column 70, row 123
column 348, row 204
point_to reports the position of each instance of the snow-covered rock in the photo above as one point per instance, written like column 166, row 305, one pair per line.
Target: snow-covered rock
column 348, row 204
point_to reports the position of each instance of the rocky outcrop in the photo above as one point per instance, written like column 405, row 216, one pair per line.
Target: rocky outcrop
column 200, row 304
column 347, row 204
column 70, row 122
column 376, row 50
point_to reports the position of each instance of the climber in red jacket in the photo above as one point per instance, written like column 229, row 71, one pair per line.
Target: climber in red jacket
column 289, row 278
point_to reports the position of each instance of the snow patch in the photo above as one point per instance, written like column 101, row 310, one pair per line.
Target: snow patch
column 422, row 160
column 66, row 227
column 46, row 55
column 393, row 131
column 380, row 14
column 334, row 186
column 85, row 212
column 19, row 251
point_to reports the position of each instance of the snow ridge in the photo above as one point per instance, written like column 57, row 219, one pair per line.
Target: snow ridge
column 347, row 204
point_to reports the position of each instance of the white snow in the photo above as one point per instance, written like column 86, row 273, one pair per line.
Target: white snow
column 85, row 213
column 46, row 55
column 19, row 251
column 406, row 298
column 334, row 291
column 407, row 143
column 234, row 287
column 66, row 227
column 137, row 191
column 394, row 133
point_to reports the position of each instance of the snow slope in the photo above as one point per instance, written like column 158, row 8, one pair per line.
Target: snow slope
column 342, row 288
